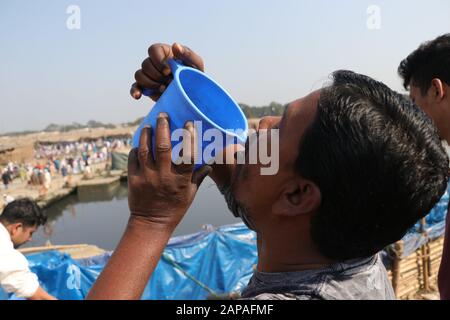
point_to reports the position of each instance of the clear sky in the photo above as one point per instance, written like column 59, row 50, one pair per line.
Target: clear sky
column 260, row 51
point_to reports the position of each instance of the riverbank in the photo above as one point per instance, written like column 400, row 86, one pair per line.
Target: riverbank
column 59, row 189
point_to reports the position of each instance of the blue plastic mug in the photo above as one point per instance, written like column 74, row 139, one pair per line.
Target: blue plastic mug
column 193, row 96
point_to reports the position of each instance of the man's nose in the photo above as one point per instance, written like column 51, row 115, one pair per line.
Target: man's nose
column 268, row 122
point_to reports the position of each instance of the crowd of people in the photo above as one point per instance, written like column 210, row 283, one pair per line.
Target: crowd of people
column 62, row 159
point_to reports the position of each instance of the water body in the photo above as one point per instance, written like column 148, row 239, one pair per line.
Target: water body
column 98, row 216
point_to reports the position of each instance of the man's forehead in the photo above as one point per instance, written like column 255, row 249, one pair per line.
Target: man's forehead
column 300, row 113
column 309, row 101
column 298, row 116
column 311, row 97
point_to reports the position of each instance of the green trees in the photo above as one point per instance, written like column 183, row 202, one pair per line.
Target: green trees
column 273, row 109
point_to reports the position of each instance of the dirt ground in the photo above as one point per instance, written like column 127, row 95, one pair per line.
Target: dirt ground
column 431, row 294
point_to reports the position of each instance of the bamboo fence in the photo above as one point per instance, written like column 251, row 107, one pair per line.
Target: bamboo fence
column 418, row 271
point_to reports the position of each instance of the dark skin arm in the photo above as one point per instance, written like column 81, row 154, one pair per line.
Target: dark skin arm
column 155, row 74
column 159, row 195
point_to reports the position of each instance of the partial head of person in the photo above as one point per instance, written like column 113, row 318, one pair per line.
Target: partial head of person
column 22, row 218
column 359, row 164
column 426, row 74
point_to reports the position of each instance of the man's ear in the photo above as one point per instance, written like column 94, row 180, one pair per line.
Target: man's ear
column 298, row 197
column 437, row 89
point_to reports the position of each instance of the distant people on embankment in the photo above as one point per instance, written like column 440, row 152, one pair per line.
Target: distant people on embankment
column 6, row 178
column 64, row 159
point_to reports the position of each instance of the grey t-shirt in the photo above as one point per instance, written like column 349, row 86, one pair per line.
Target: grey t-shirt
column 360, row 279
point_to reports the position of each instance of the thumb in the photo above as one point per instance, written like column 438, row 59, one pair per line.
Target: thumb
column 187, row 56
column 201, row 174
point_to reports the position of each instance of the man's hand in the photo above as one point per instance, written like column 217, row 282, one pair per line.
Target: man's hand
column 155, row 72
column 159, row 191
column 159, row 195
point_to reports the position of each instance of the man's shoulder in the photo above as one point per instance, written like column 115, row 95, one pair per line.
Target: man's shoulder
column 9, row 255
column 357, row 279
column 283, row 296
column 5, row 239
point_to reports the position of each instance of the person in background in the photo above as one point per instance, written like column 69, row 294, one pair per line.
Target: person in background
column 64, row 173
column 6, row 177
column 426, row 74
column 7, row 199
column 29, row 170
column 18, row 221
column 57, row 164
column 41, row 177
column 47, row 179
column 23, row 174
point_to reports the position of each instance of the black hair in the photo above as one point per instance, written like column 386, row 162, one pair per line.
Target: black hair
column 431, row 60
column 25, row 211
column 378, row 162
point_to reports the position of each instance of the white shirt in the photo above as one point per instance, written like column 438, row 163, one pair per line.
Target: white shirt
column 15, row 274
column 47, row 179
column 7, row 199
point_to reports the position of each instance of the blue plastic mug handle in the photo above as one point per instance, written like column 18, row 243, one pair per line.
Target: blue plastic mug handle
column 174, row 66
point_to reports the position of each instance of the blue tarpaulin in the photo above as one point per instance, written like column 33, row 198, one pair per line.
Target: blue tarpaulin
column 212, row 262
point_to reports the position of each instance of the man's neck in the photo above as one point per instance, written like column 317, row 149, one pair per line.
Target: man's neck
column 288, row 252
column 446, row 106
